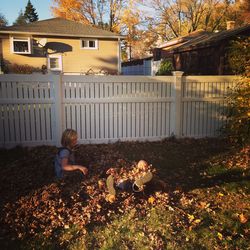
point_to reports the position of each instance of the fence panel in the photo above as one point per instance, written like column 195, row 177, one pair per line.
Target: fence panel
column 25, row 106
column 35, row 109
column 203, row 104
column 118, row 108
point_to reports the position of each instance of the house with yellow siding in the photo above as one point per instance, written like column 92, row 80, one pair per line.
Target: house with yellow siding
column 62, row 45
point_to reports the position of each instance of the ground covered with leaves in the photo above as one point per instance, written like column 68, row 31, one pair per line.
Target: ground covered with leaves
column 206, row 204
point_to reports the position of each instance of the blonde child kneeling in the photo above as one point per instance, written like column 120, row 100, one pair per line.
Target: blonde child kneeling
column 65, row 159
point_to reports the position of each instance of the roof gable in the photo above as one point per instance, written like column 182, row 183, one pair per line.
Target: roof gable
column 59, row 27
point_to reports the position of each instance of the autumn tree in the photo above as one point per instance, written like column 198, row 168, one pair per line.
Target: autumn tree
column 120, row 16
column 3, row 20
column 30, row 13
column 180, row 17
column 103, row 13
column 241, row 12
column 20, row 19
column 129, row 21
column 144, row 45
column 69, row 9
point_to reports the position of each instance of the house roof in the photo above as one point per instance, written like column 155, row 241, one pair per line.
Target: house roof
column 202, row 39
column 59, row 27
column 183, row 39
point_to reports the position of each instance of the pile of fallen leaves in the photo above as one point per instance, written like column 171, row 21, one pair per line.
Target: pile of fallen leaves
column 34, row 204
column 76, row 200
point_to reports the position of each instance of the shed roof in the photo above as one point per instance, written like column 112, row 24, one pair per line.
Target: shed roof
column 59, row 27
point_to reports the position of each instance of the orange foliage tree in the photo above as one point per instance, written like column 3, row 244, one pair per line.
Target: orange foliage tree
column 69, row 9
column 180, row 17
column 121, row 16
column 128, row 25
column 103, row 13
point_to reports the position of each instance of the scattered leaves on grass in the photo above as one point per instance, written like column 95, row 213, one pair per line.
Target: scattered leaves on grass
column 34, row 203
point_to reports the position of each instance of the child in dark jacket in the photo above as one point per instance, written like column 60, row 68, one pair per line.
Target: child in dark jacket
column 65, row 159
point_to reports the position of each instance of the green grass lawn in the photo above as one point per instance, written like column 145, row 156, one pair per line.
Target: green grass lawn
column 206, row 204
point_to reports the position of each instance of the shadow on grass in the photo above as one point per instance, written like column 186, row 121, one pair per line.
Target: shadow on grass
column 233, row 177
column 183, row 163
column 23, row 170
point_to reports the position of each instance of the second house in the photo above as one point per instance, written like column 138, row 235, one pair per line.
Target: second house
column 60, row 45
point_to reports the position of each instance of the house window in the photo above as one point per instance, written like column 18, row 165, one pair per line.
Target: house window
column 89, row 44
column 21, row 45
column 55, row 62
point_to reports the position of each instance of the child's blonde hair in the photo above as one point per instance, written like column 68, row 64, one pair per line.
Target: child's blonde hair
column 67, row 137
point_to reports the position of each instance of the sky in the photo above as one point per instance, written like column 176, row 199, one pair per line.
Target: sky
column 11, row 8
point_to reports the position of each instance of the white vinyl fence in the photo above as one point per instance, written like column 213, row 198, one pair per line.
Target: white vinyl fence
column 35, row 109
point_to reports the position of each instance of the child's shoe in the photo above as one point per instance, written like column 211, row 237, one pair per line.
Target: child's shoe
column 110, row 185
column 125, row 185
column 138, row 184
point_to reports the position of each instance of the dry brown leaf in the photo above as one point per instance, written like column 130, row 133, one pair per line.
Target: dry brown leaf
column 110, row 198
column 243, row 219
column 190, row 217
column 204, row 205
column 151, row 200
column 220, row 236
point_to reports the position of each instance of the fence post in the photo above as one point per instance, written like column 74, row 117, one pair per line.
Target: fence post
column 58, row 108
column 177, row 90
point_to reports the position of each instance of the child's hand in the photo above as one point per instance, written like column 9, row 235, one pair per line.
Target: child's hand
column 101, row 184
column 84, row 170
column 111, row 171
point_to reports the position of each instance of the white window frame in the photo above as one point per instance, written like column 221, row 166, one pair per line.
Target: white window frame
column 59, row 62
column 87, row 41
column 20, row 39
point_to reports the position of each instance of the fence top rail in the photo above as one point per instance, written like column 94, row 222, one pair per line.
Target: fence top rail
column 210, row 78
column 25, row 78
column 116, row 79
